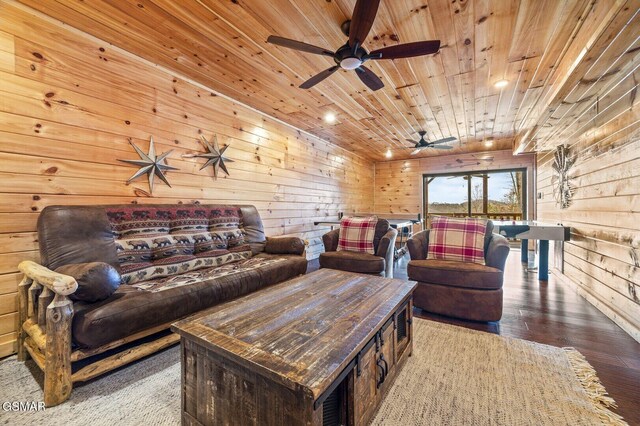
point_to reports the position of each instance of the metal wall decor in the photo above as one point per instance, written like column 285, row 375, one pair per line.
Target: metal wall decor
column 150, row 164
column 214, row 155
column 561, row 181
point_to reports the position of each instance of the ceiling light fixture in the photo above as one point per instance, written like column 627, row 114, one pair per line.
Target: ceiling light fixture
column 501, row 83
column 488, row 142
column 330, row 118
column 388, row 154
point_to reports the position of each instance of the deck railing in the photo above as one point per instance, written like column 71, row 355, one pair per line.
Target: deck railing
column 492, row 216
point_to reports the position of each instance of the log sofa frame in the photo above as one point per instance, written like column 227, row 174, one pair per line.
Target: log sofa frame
column 84, row 234
column 45, row 318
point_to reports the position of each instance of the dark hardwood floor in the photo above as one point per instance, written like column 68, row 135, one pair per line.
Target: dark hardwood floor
column 550, row 313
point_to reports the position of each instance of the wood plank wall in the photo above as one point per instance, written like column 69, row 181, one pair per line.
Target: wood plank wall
column 597, row 115
column 398, row 184
column 69, row 103
column 602, row 260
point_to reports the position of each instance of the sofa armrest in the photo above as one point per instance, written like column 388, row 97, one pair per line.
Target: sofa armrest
column 44, row 330
column 497, row 252
column 58, row 283
column 386, row 249
column 285, row 245
column 330, row 240
column 418, row 245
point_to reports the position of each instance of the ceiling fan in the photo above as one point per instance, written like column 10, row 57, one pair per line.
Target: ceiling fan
column 423, row 143
column 352, row 55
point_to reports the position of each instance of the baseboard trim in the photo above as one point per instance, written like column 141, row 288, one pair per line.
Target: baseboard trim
column 622, row 322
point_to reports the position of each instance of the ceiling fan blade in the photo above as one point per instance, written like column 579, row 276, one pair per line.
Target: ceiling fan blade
column 441, row 147
column 417, row 150
column 362, row 20
column 407, row 50
column 298, row 45
column 445, row 140
column 319, row 77
column 369, row 78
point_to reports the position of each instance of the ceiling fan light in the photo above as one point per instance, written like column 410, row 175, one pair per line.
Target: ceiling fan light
column 350, row 63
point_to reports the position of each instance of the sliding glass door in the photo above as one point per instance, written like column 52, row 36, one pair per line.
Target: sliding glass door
column 499, row 195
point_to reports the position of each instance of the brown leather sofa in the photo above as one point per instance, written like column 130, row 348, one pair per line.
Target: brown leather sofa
column 380, row 263
column 459, row 289
column 89, row 317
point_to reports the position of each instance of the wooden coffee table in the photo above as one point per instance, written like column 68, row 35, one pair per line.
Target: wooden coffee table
column 323, row 348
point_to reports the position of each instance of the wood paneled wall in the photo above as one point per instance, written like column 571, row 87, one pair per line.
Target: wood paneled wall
column 398, row 184
column 69, row 104
column 601, row 114
column 602, row 260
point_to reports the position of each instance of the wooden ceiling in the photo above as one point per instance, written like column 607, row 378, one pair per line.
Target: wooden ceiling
column 544, row 48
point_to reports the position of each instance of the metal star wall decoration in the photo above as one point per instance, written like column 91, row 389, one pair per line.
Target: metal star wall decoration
column 150, row 164
column 214, row 155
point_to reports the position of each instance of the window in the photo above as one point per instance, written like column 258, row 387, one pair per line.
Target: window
column 505, row 194
column 447, row 195
column 492, row 194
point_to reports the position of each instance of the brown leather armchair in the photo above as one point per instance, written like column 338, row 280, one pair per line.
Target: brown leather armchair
column 459, row 289
column 380, row 263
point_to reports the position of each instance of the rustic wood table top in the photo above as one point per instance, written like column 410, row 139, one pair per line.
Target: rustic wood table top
column 302, row 332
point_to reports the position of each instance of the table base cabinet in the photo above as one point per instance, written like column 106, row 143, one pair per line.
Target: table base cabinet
column 219, row 389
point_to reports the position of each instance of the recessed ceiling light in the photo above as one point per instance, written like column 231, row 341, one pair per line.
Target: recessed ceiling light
column 330, row 117
column 501, row 83
column 388, row 154
column 488, row 142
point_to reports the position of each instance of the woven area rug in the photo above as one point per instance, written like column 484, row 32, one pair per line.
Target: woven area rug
column 458, row 376
column 454, row 377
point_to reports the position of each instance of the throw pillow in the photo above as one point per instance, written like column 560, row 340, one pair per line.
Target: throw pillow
column 356, row 234
column 96, row 280
column 457, row 239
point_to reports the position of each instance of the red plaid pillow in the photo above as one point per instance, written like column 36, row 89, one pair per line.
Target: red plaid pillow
column 457, row 239
column 356, row 234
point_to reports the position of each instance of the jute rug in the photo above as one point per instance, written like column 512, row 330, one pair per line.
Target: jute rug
column 455, row 377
